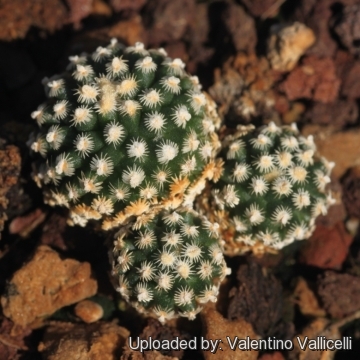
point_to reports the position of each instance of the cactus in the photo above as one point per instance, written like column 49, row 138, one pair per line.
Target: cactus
column 128, row 138
column 272, row 188
column 171, row 266
column 124, row 130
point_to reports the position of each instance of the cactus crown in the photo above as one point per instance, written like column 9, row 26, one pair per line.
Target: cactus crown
column 123, row 130
column 171, row 266
column 272, row 187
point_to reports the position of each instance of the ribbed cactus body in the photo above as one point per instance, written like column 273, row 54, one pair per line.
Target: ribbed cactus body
column 272, row 188
column 127, row 138
column 123, row 130
column 171, row 266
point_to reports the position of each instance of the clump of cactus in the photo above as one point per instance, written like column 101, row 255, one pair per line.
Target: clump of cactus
column 126, row 135
column 271, row 190
column 128, row 138
column 171, row 266
column 124, row 130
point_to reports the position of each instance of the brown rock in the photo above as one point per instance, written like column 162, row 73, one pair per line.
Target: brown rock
column 45, row 284
column 348, row 28
column 129, row 354
column 350, row 86
column 88, row 311
column 241, row 27
column 129, row 31
column 120, row 5
column 163, row 332
column 325, row 328
column 263, row 8
column 53, row 231
column 177, row 49
column 200, row 27
column 79, row 9
column 327, row 248
column 273, row 356
column 314, row 79
column 340, row 147
column 343, row 61
column 215, row 327
column 10, row 165
column 168, row 20
column 316, row 14
column 306, row 300
column 101, row 8
column 196, row 38
column 319, row 327
column 351, row 192
column 17, row 16
column 287, row 44
column 12, row 340
column 294, row 113
column 228, row 86
column 99, row 341
column 336, row 212
column 243, row 89
column 258, row 300
column 339, row 293
column 24, row 225
column 337, row 114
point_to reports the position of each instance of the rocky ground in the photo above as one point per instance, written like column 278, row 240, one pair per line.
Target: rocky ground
column 262, row 61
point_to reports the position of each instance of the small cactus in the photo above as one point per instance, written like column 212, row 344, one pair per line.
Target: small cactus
column 123, row 130
column 272, row 188
column 171, row 266
column 128, row 138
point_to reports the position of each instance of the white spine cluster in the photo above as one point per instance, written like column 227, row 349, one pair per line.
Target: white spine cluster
column 125, row 134
column 272, row 182
column 179, row 256
column 117, row 88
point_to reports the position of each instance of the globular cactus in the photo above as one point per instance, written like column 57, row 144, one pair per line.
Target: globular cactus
column 272, row 188
column 171, row 266
column 124, row 130
column 128, row 138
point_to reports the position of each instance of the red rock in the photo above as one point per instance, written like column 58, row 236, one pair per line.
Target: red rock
column 314, row 79
column 263, row 8
column 79, row 9
column 241, row 28
column 121, row 5
column 24, row 225
column 327, row 248
column 350, row 87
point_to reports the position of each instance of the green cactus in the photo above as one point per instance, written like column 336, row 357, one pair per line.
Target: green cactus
column 171, row 266
column 128, row 138
column 124, row 130
column 272, row 188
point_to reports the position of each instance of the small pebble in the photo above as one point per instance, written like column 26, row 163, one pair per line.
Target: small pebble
column 89, row 311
